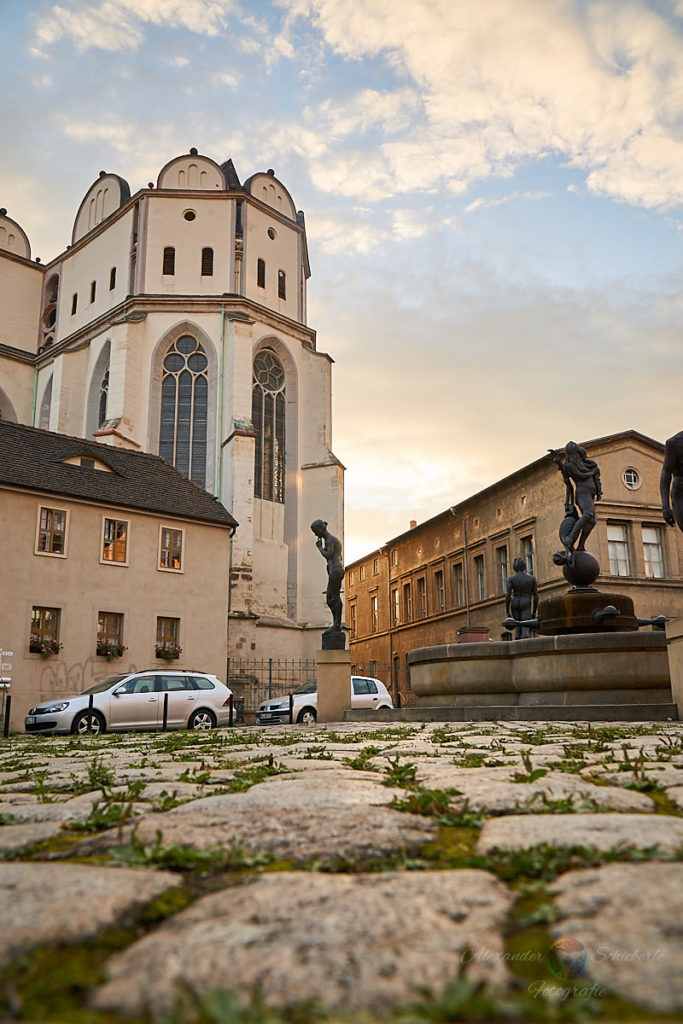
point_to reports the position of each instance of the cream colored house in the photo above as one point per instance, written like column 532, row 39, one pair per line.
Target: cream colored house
column 175, row 323
column 104, row 549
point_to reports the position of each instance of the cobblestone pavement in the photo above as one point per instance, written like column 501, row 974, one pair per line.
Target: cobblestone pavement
column 374, row 873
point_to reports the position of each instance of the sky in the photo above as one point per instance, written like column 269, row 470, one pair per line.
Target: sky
column 493, row 192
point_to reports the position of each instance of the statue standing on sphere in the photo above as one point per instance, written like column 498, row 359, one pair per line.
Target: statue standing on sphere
column 583, row 488
column 330, row 548
column 521, row 597
column 671, row 481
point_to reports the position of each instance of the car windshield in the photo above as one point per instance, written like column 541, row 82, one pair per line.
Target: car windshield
column 104, row 684
column 308, row 687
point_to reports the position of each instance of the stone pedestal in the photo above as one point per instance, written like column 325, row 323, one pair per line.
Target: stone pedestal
column 334, row 684
column 674, row 647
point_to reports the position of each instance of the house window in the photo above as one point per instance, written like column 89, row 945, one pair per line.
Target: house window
column 653, row 552
column 353, row 619
column 527, row 546
column 617, row 543
column 395, row 607
column 109, row 633
column 268, row 417
column 102, row 407
column 168, row 633
column 407, row 602
column 458, row 585
column 112, row 279
column 361, row 573
column 350, row 577
column 45, row 407
column 374, row 614
column 74, row 303
column 375, row 566
column 394, row 556
column 207, row 262
column 260, row 273
column 631, row 478
column 168, row 266
column 439, row 593
column 171, row 549
column 115, row 541
column 44, row 628
column 479, row 577
column 93, row 290
column 51, row 538
column 281, row 285
column 502, row 567
column 421, row 597
column 184, row 408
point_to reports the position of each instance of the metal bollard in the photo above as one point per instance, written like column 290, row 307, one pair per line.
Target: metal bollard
column 91, row 717
column 164, row 724
column 8, row 708
column 291, row 708
column 231, row 716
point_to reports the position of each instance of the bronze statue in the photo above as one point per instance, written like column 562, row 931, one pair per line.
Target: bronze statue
column 330, row 548
column 521, row 597
column 583, row 488
column 671, row 481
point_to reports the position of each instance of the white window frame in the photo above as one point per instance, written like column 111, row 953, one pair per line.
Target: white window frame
column 168, row 568
column 648, row 544
column 52, row 554
column 616, row 559
column 116, row 519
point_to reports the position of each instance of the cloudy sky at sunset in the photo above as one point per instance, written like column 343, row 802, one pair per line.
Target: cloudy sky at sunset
column 493, row 193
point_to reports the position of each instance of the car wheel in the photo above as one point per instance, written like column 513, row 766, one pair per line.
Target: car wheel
column 307, row 717
column 202, row 719
column 384, row 707
column 81, row 724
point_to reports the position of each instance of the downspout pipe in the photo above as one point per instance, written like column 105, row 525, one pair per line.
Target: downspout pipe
column 219, row 410
column 35, row 396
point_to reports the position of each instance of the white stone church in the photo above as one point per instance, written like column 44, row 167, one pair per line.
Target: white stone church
column 175, row 323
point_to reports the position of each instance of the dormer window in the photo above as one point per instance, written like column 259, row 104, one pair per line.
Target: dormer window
column 88, row 462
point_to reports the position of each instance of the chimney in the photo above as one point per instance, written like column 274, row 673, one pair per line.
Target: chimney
column 413, row 524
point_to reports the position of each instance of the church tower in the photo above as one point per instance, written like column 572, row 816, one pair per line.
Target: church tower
column 175, row 323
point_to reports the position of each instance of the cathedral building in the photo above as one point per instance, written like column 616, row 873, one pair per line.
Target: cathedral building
column 174, row 323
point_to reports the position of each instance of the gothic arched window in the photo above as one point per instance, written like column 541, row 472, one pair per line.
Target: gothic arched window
column 45, row 407
column 268, row 417
column 184, row 406
column 102, row 407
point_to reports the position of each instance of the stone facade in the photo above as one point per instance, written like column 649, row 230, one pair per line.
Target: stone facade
column 422, row 587
column 85, row 344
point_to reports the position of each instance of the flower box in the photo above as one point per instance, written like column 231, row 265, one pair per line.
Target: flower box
column 45, row 648
column 169, row 652
column 110, row 649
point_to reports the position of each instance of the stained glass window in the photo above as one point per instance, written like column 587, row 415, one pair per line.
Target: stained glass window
column 184, row 408
column 268, row 417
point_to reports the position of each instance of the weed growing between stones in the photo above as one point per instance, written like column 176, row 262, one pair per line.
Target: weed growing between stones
column 222, row 1006
column 402, row 775
column 175, row 857
column 530, row 774
column 362, row 759
column 317, row 752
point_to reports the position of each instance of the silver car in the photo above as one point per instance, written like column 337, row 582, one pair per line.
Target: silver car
column 136, row 700
column 366, row 692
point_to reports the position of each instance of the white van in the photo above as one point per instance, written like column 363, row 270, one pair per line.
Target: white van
column 366, row 692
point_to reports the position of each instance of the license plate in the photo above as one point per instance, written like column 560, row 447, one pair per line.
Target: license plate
column 31, row 720
column 266, row 714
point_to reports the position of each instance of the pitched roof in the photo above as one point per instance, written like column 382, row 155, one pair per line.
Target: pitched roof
column 34, row 459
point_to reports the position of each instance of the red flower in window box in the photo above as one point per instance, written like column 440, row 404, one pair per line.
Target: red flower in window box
column 110, row 648
column 168, row 651
column 45, row 648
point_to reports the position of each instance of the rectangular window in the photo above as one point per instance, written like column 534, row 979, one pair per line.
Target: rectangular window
column 617, row 543
column 439, row 593
column 353, row 619
column 74, row 303
column 115, row 541
column 479, row 577
column 168, row 634
column 374, row 613
column 110, row 634
column 112, row 279
column 421, row 597
column 51, row 539
column 653, row 552
column 171, row 549
column 44, row 630
column 394, row 556
column 350, row 577
column 168, row 267
column 502, row 567
column 281, row 285
column 407, row 603
column 93, row 290
column 458, row 585
column 260, row 273
column 395, row 607
column 375, row 566
column 207, row 262
column 527, row 545
column 361, row 573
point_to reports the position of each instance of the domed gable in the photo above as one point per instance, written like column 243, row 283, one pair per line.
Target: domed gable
column 192, row 171
column 12, row 237
column 268, row 189
column 101, row 200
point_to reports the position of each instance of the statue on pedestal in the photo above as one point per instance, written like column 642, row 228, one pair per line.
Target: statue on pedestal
column 521, row 597
column 671, row 481
column 330, row 548
column 583, row 488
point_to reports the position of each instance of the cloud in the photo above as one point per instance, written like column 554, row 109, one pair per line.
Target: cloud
column 120, row 24
column 500, row 85
column 224, row 78
column 485, row 204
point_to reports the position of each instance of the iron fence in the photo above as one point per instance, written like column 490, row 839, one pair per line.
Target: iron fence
column 253, row 680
